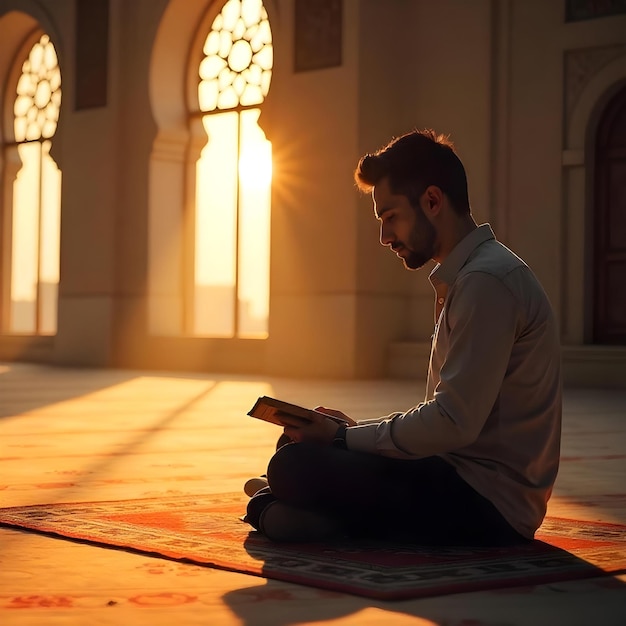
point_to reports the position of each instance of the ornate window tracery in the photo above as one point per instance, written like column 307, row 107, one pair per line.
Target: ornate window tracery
column 233, row 176
column 32, row 240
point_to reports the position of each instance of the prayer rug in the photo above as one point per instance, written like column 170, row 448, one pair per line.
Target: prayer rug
column 207, row 530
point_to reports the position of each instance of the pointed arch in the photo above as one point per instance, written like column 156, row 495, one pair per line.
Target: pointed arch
column 30, row 203
column 182, row 293
column 580, row 135
column 609, row 223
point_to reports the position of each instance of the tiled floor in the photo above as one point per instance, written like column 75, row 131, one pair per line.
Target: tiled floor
column 82, row 435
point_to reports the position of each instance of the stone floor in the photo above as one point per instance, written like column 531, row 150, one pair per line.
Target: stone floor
column 69, row 435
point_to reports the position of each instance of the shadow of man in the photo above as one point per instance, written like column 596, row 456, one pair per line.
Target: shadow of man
column 339, row 579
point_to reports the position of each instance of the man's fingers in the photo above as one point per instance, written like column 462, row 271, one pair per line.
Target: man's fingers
column 333, row 412
column 293, row 433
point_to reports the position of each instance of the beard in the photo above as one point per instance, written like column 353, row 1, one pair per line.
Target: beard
column 421, row 246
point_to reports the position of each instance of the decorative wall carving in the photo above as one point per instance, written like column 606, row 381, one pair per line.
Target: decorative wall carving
column 580, row 66
column 318, row 34
column 92, row 53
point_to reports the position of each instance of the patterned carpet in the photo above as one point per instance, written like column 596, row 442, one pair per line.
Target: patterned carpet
column 206, row 530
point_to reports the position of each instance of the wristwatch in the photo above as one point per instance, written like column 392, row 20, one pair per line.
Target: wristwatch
column 339, row 441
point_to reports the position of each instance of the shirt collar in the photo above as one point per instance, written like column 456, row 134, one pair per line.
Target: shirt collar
column 447, row 270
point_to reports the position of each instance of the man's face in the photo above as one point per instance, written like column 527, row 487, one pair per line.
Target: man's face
column 404, row 228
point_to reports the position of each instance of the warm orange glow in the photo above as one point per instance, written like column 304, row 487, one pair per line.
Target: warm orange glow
column 255, row 178
column 234, row 173
column 25, row 236
column 36, row 215
column 216, row 227
column 255, row 162
column 237, row 68
column 227, row 186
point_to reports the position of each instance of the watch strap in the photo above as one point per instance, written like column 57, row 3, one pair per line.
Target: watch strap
column 339, row 440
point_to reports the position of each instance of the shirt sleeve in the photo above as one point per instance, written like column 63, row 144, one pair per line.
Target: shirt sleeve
column 377, row 420
column 481, row 324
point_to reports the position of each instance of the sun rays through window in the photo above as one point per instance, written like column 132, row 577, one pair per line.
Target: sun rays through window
column 233, row 177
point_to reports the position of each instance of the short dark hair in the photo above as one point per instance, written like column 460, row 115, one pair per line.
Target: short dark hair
column 413, row 162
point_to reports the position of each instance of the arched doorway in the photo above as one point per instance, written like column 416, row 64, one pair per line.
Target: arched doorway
column 609, row 318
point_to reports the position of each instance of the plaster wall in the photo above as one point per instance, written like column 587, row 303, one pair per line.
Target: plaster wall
column 311, row 121
column 534, row 219
column 105, row 208
column 382, row 284
column 431, row 68
column 502, row 77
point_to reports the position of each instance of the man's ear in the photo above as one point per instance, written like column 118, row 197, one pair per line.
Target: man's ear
column 434, row 200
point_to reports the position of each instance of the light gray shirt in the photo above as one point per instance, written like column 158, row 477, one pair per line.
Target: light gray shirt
column 493, row 398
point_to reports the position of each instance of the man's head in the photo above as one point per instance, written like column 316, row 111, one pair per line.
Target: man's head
column 412, row 179
column 414, row 162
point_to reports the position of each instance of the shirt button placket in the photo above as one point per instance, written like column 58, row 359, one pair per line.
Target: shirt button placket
column 439, row 302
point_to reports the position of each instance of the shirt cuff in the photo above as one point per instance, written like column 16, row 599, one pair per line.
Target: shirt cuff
column 362, row 437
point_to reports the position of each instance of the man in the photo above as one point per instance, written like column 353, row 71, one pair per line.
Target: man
column 475, row 463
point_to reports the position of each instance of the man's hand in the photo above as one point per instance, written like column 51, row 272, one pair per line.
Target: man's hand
column 322, row 432
column 336, row 413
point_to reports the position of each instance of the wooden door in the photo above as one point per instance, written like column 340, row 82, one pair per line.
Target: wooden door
column 609, row 325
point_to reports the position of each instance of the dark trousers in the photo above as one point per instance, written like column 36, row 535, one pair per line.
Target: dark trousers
column 424, row 500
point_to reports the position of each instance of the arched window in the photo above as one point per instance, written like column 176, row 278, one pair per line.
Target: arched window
column 233, row 177
column 32, row 193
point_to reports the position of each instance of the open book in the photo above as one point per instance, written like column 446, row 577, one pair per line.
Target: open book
column 286, row 414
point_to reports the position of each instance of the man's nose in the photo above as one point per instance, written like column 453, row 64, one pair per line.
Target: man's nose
column 386, row 238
